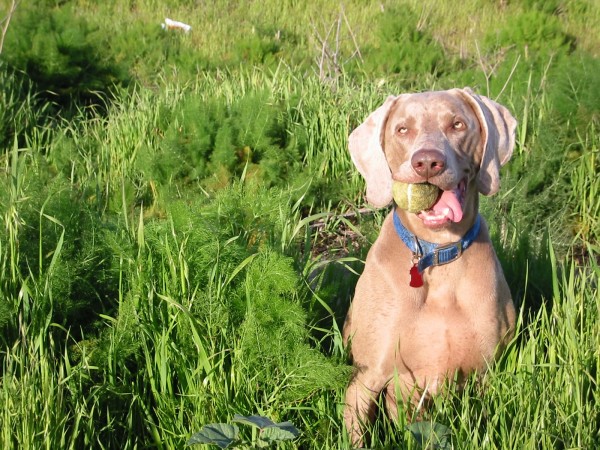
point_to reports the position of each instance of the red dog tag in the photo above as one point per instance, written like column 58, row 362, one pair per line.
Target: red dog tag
column 416, row 280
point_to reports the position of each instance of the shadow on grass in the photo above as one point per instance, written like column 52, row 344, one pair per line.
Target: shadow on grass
column 527, row 267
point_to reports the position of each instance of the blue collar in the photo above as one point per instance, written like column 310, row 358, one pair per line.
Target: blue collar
column 428, row 254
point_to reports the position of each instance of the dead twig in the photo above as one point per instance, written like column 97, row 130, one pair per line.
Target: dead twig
column 329, row 60
column 6, row 21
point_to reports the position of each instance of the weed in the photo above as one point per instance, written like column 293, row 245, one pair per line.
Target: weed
column 63, row 55
column 405, row 47
column 212, row 138
column 533, row 31
column 224, row 435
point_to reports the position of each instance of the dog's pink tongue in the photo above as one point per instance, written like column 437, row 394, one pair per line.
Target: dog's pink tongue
column 449, row 205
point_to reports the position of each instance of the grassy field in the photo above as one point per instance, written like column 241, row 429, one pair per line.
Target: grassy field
column 182, row 227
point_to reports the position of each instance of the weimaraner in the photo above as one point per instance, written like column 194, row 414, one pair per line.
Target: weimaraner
column 410, row 340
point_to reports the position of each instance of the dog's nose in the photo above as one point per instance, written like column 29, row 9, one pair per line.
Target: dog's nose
column 428, row 163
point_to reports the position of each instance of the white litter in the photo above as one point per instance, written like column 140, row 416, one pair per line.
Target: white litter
column 175, row 25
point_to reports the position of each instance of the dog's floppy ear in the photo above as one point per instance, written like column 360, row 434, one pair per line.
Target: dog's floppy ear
column 498, row 132
column 368, row 156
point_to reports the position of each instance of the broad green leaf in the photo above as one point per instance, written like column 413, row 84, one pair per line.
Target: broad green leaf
column 221, row 434
column 283, row 431
column 255, row 421
column 431, row 434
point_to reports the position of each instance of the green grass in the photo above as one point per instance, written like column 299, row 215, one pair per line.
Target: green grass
column 180, row 238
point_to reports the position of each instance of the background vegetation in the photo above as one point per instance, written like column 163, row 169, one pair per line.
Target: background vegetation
column 182, row 226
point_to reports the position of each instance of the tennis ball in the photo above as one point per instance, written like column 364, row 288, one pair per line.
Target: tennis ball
column 415, row 197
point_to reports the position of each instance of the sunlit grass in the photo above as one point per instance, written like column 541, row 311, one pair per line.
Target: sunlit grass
column 140, row 301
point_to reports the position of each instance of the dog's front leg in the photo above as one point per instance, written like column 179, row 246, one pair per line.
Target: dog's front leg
column 361, row 401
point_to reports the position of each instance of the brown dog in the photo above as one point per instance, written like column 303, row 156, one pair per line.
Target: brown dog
column 459, row 312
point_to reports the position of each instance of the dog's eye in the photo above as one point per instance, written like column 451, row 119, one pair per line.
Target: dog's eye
column 458, row 125
column 402, row 130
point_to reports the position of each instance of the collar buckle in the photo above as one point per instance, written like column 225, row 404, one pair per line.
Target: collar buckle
column 450, row 252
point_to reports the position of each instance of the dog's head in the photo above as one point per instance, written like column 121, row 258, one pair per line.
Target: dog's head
column 454, row 139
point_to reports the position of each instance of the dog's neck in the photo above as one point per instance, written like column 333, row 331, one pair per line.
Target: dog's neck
column 427, row 254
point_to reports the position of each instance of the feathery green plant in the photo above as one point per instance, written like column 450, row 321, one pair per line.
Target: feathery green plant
column 65, row 56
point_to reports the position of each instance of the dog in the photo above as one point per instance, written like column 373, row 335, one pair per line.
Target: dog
column 432, row 304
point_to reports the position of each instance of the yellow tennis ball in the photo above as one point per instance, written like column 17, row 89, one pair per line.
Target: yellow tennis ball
column 415, row 197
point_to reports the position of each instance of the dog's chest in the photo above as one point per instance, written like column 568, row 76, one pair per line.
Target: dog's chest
column 446, row 333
